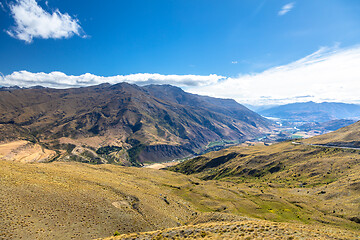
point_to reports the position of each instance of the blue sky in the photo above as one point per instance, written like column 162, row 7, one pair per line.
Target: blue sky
column 228, row 38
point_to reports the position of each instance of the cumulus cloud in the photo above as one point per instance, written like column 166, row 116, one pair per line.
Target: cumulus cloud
column 61, row 80
column 32, row 21
column 286, row 8
column 329, row 74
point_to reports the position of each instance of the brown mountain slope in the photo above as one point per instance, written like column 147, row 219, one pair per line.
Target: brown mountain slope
column 228, row 107
column 145, row 126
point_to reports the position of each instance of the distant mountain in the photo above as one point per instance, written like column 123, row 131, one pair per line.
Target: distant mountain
column 348, row 136
column 9, row 88
column 123, row 123
column 332, row 125
column 313, row 112
column 259, row 108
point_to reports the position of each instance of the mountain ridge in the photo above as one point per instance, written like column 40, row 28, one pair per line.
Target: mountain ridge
column 137, row 119
column 313, row 112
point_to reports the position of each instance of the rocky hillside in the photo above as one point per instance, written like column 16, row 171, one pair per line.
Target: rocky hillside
column 123, row 123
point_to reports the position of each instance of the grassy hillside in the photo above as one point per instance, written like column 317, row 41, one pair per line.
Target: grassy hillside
column 74, row 200
column 283, row 190
column 322, row 184
column 82, row 201
column 246, row 229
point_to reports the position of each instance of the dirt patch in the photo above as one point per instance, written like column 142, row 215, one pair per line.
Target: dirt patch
column 24, row 151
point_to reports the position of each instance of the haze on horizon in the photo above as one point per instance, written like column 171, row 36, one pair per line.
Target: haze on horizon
column 257, row 52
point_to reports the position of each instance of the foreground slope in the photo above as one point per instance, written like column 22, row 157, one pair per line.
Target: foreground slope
column 82, row 201
column 322, row 183
column 131, row 124
column 246, row 229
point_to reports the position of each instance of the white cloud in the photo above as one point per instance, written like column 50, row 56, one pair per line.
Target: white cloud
column 329, row 74
column 61, row 80
column 326, row 75
column 32, row 21
column 234, row 62
column 286, row 8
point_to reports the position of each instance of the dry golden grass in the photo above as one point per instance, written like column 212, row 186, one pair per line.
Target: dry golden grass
column 82, row 201
column 246, row 229
column 289, row 182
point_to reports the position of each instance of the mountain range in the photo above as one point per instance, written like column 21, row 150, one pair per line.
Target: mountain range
column 123, row 123
column 313, row 112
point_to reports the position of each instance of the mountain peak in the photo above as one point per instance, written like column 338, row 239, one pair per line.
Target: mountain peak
column 151, row 123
